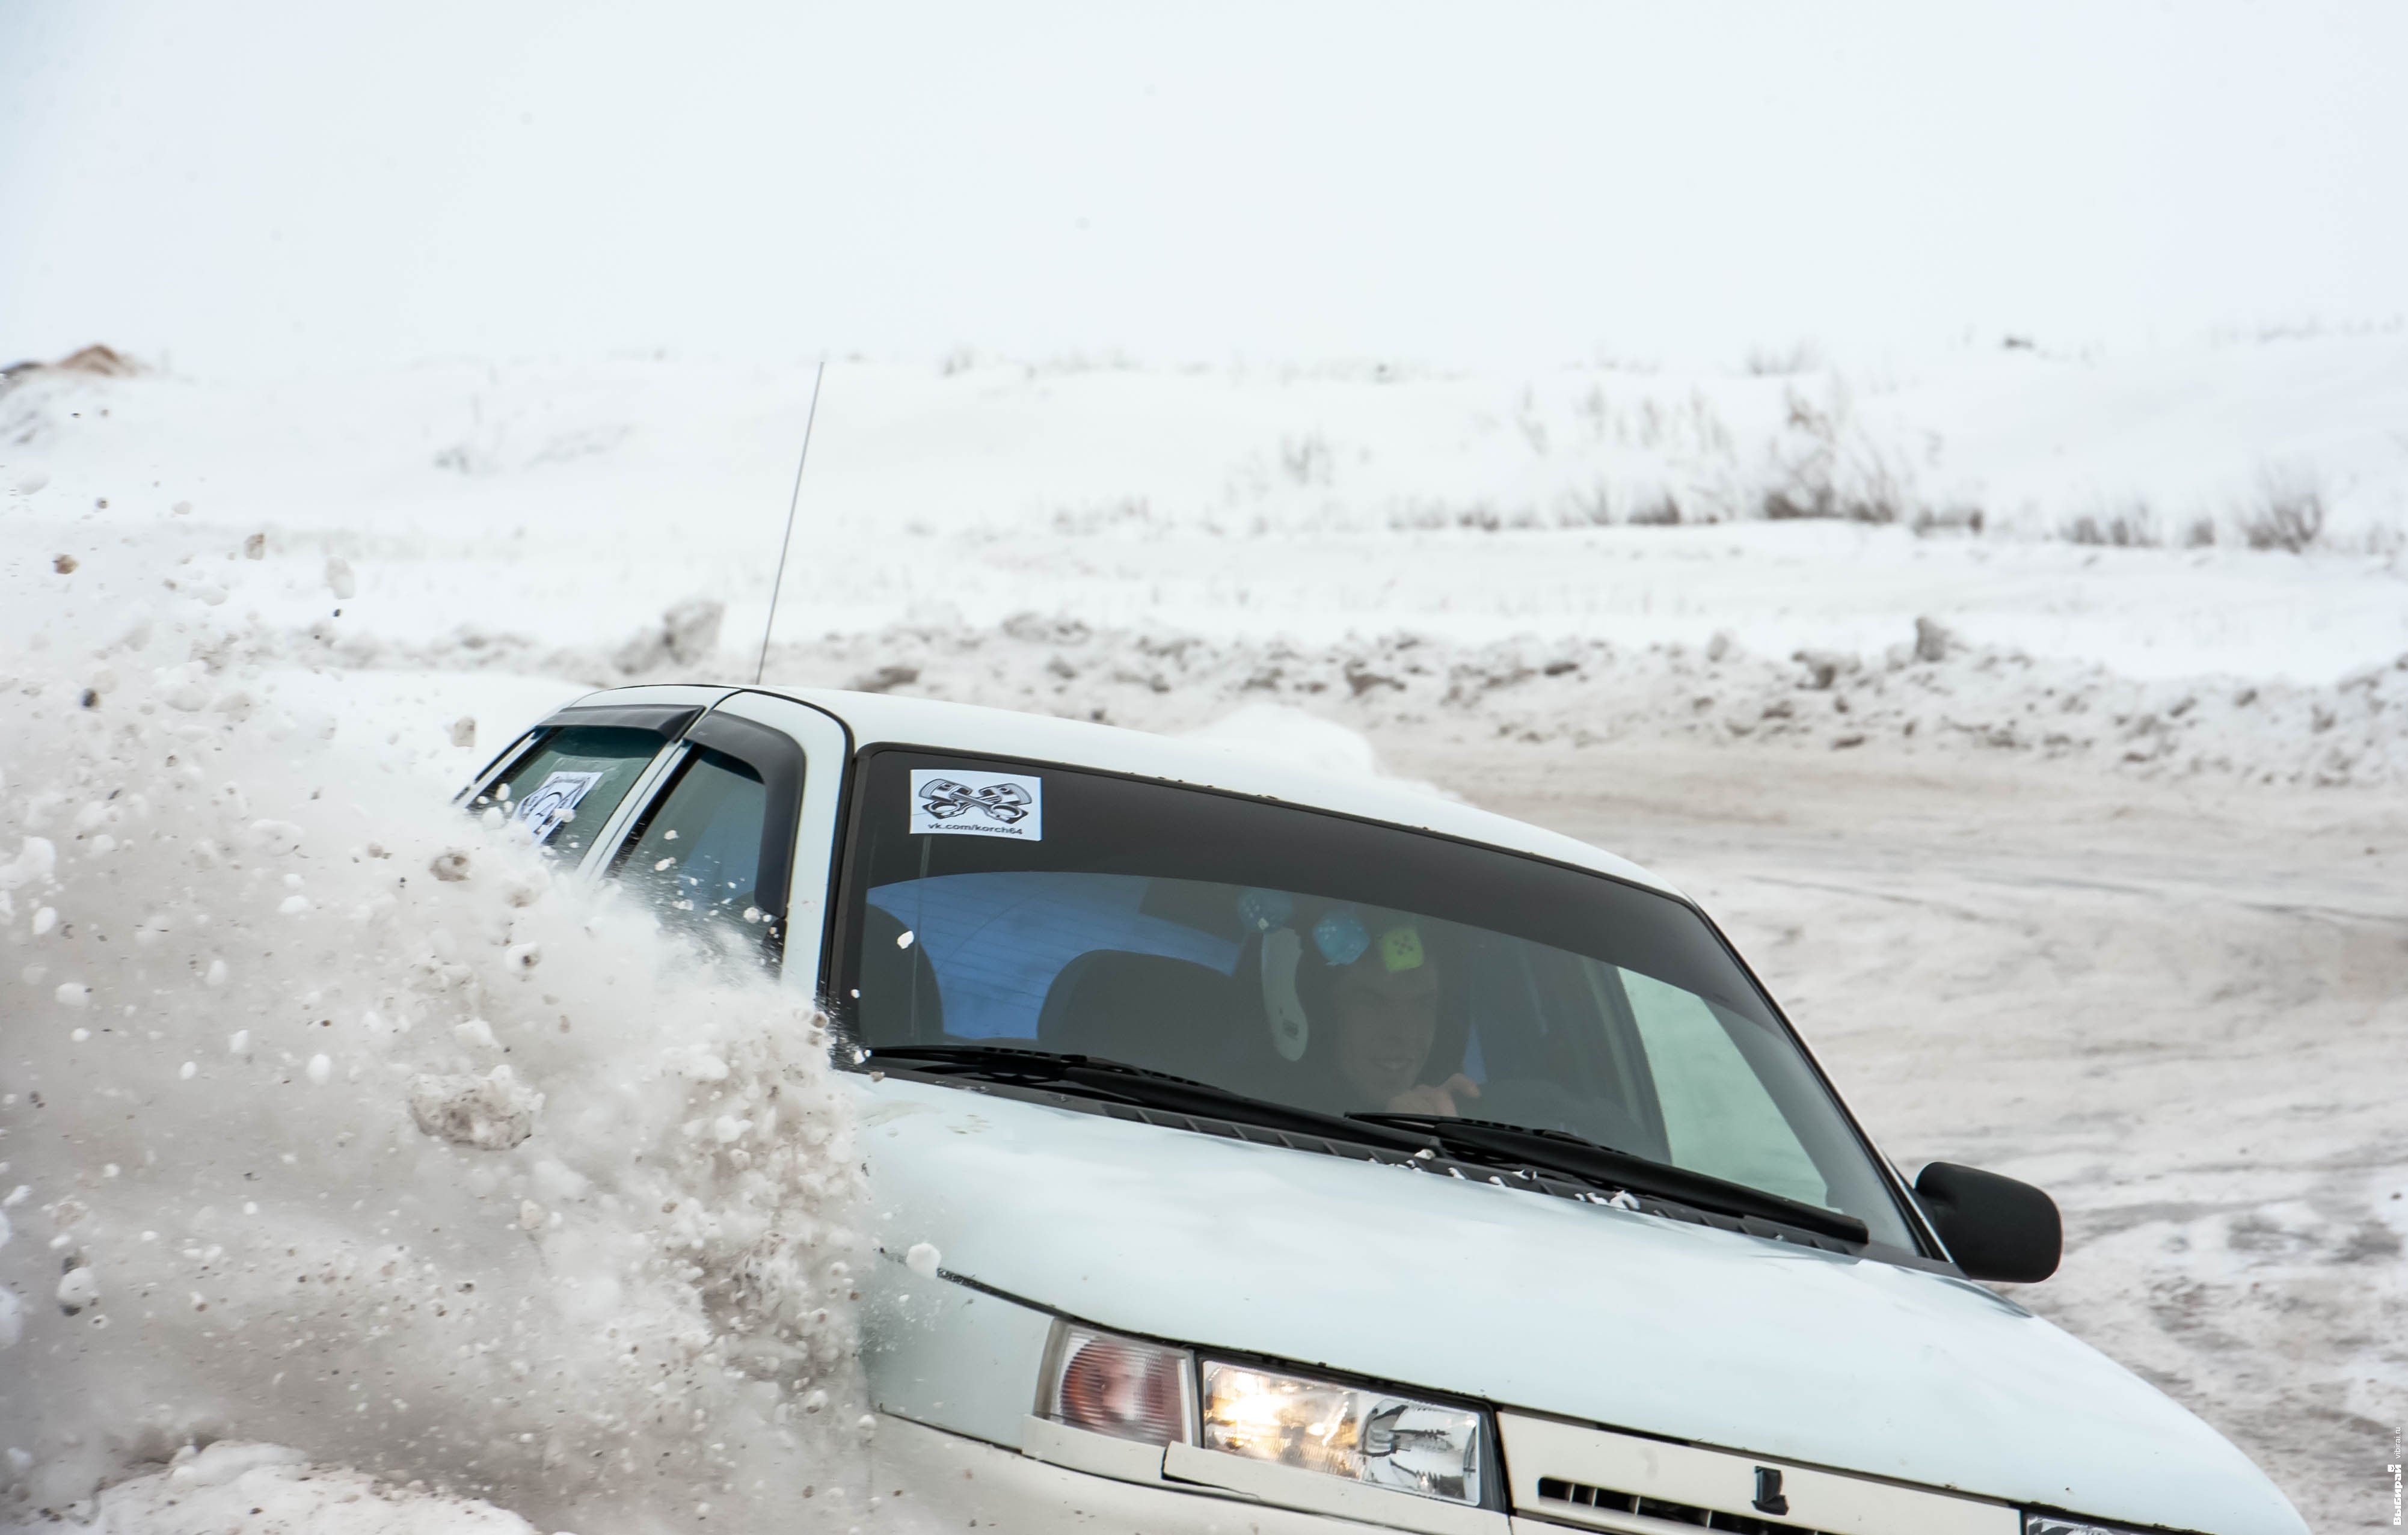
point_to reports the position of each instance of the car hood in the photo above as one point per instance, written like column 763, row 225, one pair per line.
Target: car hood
column 1533, row 1301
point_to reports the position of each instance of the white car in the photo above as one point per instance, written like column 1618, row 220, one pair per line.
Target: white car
column 1286, row 1154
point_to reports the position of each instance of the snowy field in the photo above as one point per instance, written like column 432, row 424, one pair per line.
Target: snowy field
column 2037, row 724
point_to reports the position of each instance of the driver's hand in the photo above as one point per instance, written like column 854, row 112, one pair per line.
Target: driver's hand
column 1442, row 1099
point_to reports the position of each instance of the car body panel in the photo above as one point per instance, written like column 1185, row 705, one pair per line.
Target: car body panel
column 826, row 752
column 1546, row 1305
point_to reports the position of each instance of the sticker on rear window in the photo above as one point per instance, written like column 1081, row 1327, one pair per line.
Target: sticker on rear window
column 950, row 803
column 553, row 802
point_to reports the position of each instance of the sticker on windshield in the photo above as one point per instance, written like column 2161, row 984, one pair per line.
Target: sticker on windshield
column 553, row 802
column 951, row 803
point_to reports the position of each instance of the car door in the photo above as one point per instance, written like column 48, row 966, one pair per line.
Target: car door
column 729, row 838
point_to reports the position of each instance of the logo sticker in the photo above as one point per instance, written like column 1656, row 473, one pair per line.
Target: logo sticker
column 949, row 803
column 542, row 812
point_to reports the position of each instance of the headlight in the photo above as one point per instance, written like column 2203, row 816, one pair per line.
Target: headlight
column 1360, row 1433
column 1109, row 1384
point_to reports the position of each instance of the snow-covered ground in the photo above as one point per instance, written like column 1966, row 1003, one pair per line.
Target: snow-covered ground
column 2072, row 836
column 565, row 503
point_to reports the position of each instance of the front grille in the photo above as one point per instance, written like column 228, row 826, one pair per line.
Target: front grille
column 1556, row 1490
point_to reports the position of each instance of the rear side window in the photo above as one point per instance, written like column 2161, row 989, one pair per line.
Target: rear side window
column 697, row 858
column 566, row 788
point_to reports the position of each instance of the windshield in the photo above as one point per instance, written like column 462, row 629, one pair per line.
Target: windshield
column 1327, row 964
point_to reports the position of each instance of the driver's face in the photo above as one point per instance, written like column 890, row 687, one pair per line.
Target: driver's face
column 1385, row 1027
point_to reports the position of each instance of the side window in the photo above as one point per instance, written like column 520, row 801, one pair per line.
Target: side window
column 1717, row 1115
column 699, row 851
column 566, row 787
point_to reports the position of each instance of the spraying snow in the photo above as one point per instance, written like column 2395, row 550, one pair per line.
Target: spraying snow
column 334, row 1122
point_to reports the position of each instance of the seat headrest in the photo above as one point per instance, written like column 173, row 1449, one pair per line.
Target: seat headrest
column 1145, row 1009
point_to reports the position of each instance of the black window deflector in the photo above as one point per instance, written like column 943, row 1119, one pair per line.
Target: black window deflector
column 779, row 760
column 667, row 720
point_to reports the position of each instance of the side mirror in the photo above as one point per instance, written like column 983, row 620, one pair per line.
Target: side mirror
column 1995, row 1228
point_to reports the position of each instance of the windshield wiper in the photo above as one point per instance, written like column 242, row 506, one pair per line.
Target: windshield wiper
column 1092, row 1076
column 1558, row 1151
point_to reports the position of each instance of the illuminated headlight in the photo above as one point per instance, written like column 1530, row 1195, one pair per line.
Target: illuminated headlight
column 2058, row 1524
column 1109, row 1384
column 1361, row 1433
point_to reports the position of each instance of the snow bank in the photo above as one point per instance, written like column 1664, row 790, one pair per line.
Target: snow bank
column 329, row 1120
column 1928, row 692
column 2061, row 501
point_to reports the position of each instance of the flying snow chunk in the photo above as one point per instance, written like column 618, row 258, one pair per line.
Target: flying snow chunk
column 923, row 1259
column 340, row 579
column 491, row 1113
column 78, row 1288
column 321, row 1068
column 222, row 1462
column 73, row 993
column 275, row 836
column 33, row 861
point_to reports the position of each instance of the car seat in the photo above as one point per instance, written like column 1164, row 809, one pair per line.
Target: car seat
column 1167, row 1015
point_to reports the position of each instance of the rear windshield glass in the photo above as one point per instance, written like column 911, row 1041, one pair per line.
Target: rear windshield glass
column 1328, row 963
column 566, row 786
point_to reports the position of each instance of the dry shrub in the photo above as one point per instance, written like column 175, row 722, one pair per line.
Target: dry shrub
column 1782, row 362
column 2131, row 525
column 1955, row 519
column 1660, row 509
column 1836, row 472
column 2287, row 512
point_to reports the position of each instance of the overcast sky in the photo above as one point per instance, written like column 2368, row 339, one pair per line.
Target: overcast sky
column 270, row 186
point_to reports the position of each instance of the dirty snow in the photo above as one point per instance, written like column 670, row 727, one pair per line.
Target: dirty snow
column 271, row 1489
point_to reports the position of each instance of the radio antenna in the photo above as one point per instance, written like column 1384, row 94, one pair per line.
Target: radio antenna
column 792, row 502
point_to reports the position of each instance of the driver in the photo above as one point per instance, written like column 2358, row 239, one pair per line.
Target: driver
column 1385, row 1007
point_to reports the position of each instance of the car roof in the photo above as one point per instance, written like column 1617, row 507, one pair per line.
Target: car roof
column 875, row 719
